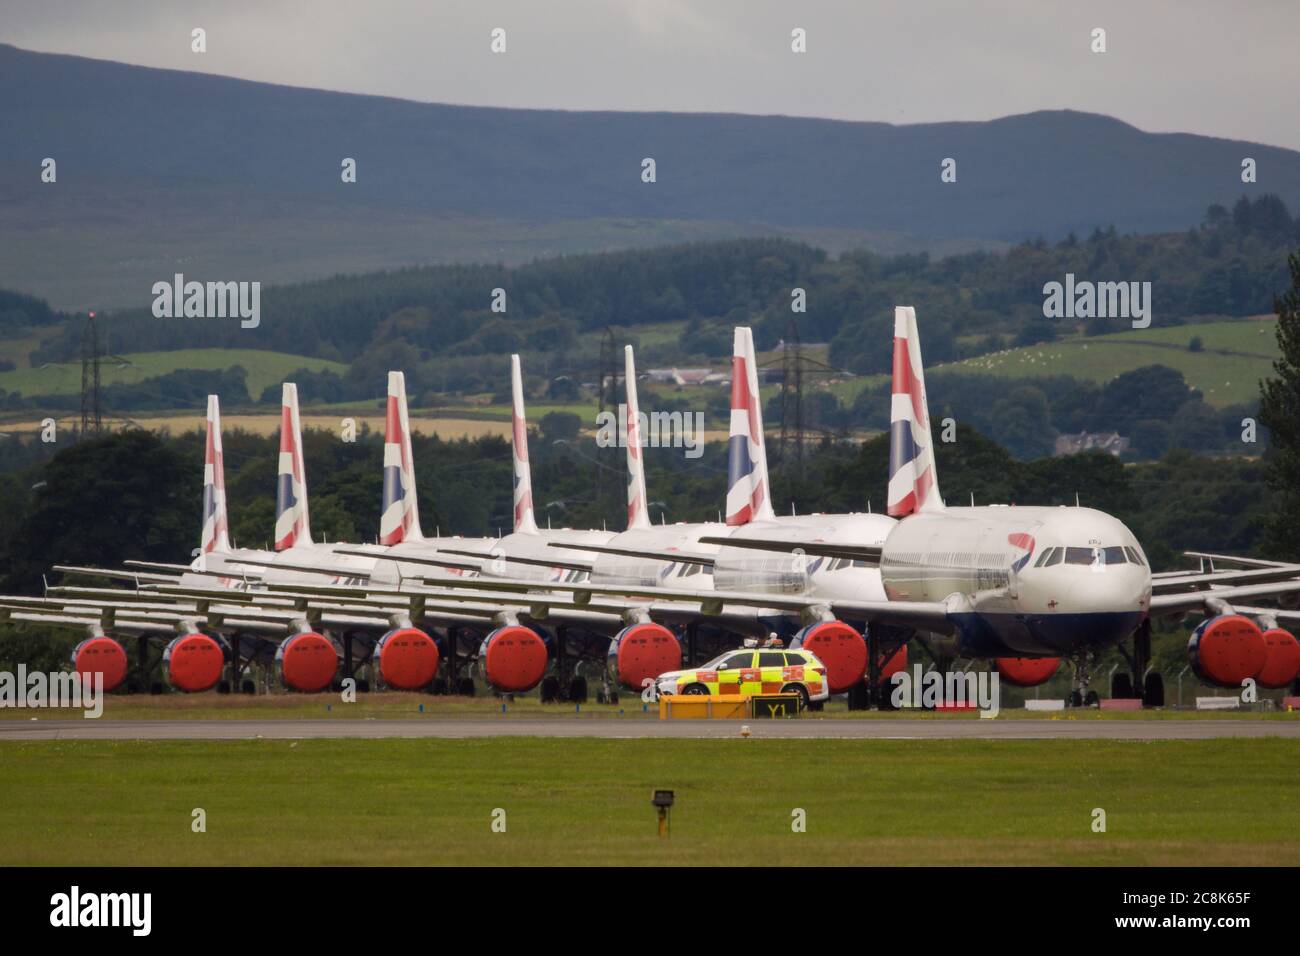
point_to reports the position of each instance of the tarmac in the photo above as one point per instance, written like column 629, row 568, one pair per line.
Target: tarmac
column 812, row 728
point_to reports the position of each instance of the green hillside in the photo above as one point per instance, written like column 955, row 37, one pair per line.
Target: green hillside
column 1234, row 356
column 264, row 368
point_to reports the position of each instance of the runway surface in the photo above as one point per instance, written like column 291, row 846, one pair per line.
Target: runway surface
column 610, row 728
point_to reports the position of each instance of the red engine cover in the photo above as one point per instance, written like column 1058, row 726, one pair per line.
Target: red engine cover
column 308, row 662
column 515, row 659
column 102, row 654
column 1282, row 663
column 408, row 658
column 644, row 652
column 1027, row 671
column 1226, row 650
column 841, row 648
column 194, row 663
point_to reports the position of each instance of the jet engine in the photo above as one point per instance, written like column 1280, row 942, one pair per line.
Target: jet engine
column 1027, row 671
column 193, row 662
column 1283, row 661
column 642, row 652
column 407, row 658
column 307, row 662
column 840, row 647
column 103, row 655
column 514, row 658
column 1227, row 649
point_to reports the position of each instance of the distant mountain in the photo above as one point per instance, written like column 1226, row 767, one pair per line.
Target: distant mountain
column 160, row 170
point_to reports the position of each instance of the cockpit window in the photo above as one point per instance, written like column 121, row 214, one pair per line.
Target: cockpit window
column 1133, row 555
column 1082, row 555
column 1042, row 558
column 1115, row 555
column 1092, row 555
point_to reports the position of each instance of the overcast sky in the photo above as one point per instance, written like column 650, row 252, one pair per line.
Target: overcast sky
column 1204, row 66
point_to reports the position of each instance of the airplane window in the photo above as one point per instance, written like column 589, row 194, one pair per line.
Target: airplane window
column 859, row 562
column 771, row 659
column 1133, row 555
column 1080, row 555
column 1115, row 555
column 1042, row 558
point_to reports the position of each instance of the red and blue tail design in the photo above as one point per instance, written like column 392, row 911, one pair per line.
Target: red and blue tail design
column 523, row 488
column 913, row 482
column 292, row 525
column 748, row 495
column 399, row 519
column 215, row 536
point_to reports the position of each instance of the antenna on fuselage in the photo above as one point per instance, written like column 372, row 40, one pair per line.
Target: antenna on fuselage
column 972, row 499
column 1076, row 499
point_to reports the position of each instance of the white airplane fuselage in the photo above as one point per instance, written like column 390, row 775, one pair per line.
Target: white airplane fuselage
column 1022, row 581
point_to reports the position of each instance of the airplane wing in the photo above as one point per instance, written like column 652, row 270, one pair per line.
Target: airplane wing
column 673, row 557
column 1199, row 600
column 853, row 552
column 1171, row 583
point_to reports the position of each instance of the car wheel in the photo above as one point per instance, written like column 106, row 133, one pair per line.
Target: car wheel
column 800, row 690
column 696, row 690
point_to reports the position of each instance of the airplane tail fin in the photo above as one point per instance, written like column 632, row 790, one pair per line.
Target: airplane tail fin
column 748, row 491
column 215, row 534
column 292, row 525
column 524, row 520
column 399, row 518
column 913, row 478
column 638, row 515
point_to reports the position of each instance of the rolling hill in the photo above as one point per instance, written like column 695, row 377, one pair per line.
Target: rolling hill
column 162, row 171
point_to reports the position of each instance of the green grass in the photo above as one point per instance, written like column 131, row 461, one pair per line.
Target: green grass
column 264, row 369
column 1233, row 359
column 583, row 801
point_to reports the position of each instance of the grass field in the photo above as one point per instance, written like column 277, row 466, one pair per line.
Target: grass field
column 582, row 801
column 264, row 368
column 1233, row 358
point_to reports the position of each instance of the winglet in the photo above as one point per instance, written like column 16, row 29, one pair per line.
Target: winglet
column 399, row 518
column 913, row 478
column 637, row 511
column 524, row 520
column 215, row 535
column 292, row 525
column 748, row 491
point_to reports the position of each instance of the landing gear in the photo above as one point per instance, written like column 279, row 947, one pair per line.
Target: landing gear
column 465, row 687
column 859, row 699
column 1079, row 692
column 1090, row 699
column 578, row 690
column 1153, row 690
column 1121, row 685
column 550, row 691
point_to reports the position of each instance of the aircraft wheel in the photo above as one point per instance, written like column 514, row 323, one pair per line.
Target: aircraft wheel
column 1091, row 699
column 438, row 687
column 1153, row 690
column 858, row 699
column 1121, row 685
column 578, row 690
column 223, row 687
column 465, row 687
column 550, row 689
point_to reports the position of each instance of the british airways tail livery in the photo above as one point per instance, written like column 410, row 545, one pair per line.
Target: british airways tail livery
column 913, row 482
column 400, row 516
column 525, row 523
column 748, row 490
column 292, row 525
column 637, row 513
column 215, row 536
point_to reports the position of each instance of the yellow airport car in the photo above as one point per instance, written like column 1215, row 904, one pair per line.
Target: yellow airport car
column 751, row 672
